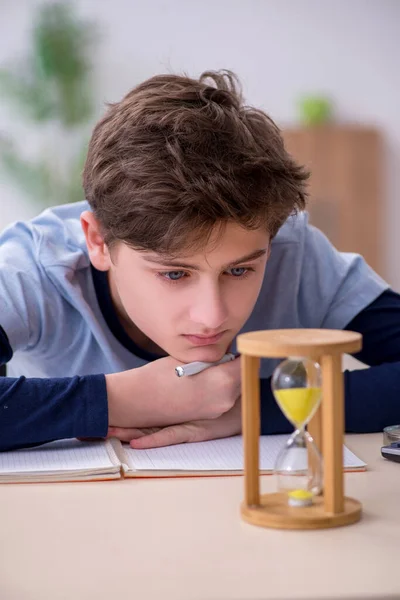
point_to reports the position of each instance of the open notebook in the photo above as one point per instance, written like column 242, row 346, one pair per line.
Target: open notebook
column 72, row 460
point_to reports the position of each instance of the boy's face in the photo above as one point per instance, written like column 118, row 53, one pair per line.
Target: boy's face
column 191, row 307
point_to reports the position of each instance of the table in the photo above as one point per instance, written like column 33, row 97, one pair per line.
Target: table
column 184, row 539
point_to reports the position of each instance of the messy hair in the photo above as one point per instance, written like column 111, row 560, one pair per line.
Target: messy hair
column 177, row 157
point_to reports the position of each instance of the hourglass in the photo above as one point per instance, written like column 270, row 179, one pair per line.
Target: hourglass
column 308, row 387
column 296, row 385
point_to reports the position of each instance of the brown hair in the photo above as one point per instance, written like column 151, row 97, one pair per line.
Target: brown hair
column 178, row 156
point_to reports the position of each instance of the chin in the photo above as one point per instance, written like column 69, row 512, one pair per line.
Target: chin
column 204, row 354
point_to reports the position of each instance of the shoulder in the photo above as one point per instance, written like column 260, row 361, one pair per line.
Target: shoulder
column 312, row 282
column 45, row 279
column 292, row 231
column 53, row 238
column 308, row 247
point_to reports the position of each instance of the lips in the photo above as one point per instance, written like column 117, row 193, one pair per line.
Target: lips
column 201, row 340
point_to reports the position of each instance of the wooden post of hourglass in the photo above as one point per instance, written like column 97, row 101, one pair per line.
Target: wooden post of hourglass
column 314, row 428
column 251, row 425
column 331, row 508
column 332, row 432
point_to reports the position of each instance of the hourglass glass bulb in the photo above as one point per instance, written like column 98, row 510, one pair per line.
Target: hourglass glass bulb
column 296, row 385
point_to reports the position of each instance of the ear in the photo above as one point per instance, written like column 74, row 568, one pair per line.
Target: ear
column 98, row 251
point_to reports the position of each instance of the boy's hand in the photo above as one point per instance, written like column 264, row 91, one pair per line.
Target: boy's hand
column 195, row 431
column 153, row 396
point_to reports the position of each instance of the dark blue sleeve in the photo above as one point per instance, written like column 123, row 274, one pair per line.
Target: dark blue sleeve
column 34, row 411
column 372, row 396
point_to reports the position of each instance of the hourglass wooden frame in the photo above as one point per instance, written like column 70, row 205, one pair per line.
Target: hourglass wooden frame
column 331, row 508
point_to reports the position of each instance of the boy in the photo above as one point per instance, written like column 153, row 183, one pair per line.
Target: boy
column 193, row 231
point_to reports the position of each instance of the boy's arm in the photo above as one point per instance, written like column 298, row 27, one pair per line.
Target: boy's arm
column 34, row 411
column 371, row 395
column 40, row 410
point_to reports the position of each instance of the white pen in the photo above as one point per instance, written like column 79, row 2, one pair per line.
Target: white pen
column 198, row 366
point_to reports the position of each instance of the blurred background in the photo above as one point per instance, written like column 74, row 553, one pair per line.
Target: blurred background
column 326, row 71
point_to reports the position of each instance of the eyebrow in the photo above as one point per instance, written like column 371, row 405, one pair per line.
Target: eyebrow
column 178, row 264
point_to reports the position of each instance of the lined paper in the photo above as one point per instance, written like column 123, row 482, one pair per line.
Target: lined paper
column 215, row 455
column 62, row 456
column 85, row 458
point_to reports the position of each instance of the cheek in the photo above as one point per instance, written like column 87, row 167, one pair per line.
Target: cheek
column 136, row 296
column 240, row 304
column 148, row 305
column 243, row 296
column 256, row 284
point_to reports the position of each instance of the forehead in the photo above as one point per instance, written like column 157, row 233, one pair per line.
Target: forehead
column 224, row 245
column 233, row 239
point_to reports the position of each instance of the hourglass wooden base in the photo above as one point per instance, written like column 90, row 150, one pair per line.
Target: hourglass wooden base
column 331, row 508
column 273, row 511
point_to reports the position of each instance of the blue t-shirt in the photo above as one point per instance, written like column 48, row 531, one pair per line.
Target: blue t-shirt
column 50, row 312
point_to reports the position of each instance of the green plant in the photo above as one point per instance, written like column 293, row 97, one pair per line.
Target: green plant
column 52, row 91
column 315, row 110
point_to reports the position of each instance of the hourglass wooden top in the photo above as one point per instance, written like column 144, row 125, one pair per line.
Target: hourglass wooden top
column 277, row 343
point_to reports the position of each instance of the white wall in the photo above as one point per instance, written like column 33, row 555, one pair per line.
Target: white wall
column 279, row 48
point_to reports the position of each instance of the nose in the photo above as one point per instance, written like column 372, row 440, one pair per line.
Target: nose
column 208, row 307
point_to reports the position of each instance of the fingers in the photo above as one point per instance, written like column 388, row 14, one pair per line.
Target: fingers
column 128, row 434
column 232, row 373
column 168, row 436
column 233, row 365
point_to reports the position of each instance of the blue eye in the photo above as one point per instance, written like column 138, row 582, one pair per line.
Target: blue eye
column 238, row 271
column 174, row 275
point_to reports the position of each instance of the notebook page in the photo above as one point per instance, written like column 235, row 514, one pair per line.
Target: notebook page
column 61, row 456
column 351, row 461
column 216, row 455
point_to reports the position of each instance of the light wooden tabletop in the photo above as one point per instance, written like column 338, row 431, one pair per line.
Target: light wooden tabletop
column 184, row 539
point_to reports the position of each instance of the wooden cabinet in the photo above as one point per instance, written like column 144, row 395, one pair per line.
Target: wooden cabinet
column 346, row 193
